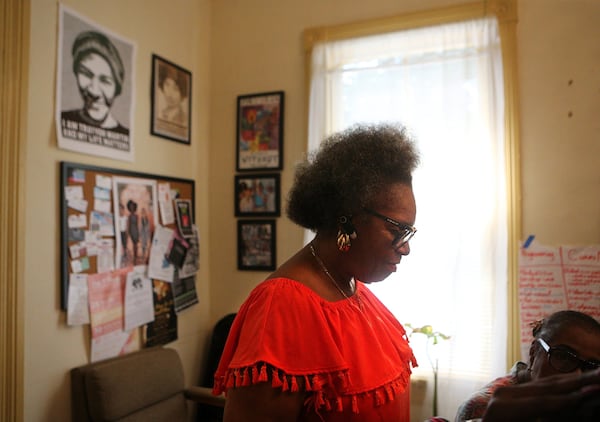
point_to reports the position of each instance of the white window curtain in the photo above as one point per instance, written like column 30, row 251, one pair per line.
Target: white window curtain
column 444, row 83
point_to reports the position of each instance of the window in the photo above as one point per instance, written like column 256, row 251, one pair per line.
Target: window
column 445, row 83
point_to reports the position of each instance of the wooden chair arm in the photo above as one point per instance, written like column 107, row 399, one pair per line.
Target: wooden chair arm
column 204, row 395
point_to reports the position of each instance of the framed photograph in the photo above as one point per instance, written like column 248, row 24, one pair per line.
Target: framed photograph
column 256, row 245
column 260, row 131
column 257, row 195
column 171, row 101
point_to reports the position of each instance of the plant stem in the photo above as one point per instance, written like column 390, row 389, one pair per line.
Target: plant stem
column 435, row 385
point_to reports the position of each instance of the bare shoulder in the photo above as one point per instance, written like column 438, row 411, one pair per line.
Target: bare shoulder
column 302, row 268
column 295, row 268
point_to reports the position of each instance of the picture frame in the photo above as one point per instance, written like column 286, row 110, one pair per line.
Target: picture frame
column 256, row 245
column 257, row 195
column 259, row 131
column 171, row 101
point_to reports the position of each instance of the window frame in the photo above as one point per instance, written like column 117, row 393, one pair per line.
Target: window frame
column 505, row 12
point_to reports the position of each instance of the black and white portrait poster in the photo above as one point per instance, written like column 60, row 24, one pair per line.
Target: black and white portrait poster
column 95, row 88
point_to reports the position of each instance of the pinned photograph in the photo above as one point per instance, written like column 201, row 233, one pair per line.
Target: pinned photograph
column 184, row 217
column 136, row 216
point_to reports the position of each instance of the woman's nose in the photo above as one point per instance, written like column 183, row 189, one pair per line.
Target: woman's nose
column 404, row 249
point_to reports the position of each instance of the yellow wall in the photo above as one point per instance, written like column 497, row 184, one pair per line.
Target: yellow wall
column 257, row 46
column 235, row 47
column 179, row 31
column 559, row 50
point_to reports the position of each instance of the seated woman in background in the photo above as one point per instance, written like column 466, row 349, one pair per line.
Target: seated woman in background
column 571, row 397
column 566, row 341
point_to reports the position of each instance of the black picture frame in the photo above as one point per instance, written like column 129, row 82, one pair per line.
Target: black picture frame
column 259, row 131
column 171, row 101
column 257, row 195
column 256, row 245
column 85, row 177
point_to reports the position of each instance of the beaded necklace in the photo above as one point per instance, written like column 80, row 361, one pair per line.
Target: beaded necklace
column 326, row 271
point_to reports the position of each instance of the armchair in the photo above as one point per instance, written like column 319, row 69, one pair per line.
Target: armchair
column 147, row 385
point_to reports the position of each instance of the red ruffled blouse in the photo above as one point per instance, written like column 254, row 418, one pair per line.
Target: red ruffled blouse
column 351, row 356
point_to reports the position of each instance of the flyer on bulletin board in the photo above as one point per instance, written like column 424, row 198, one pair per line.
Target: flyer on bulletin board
column 556, row 278
column 109, row 338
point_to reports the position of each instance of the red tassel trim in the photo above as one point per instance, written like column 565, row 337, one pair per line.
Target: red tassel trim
column 307, row 385
column 294, row 386
column 320, row 401
column 245, row 378
column 317, row 383
column 276, row 380
column 262, row 377
column 354, row 404
column 285, row 386
column 327, row 388
column 389, row 392
column 378, row 398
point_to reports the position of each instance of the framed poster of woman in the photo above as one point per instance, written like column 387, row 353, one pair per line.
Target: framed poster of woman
column 171, row 101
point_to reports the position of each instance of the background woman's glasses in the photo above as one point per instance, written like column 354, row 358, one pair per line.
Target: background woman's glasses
column 564, row 361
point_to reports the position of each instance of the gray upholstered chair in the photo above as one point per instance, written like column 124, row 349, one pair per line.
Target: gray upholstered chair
column 147, row 386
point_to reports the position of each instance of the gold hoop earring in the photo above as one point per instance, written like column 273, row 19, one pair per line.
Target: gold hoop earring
column 343, row 241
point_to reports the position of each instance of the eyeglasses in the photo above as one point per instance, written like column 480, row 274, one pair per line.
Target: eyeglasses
column 564, row 361
column 403, row 235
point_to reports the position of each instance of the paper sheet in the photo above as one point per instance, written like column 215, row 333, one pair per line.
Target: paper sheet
column 77, row 310
column 105, row 292
column 139, row 308
column 557, row 278
column 159, row 267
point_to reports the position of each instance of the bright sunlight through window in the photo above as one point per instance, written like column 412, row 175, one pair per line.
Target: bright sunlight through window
column 444, row 83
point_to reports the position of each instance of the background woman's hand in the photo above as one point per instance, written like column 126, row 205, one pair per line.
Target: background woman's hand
column 544, row 398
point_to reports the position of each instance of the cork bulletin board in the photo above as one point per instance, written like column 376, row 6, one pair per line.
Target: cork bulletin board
column 94, row 201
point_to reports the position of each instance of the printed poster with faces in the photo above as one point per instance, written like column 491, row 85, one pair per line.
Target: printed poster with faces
column 95, row 88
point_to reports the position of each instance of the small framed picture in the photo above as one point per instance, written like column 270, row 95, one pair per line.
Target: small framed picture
column 171, row 101
column 260, row 131
column 184, row 217
column 256, row 245
column 257, row 195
